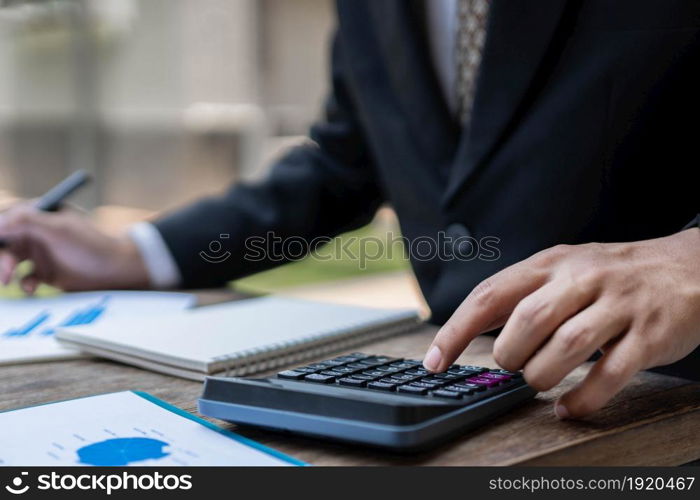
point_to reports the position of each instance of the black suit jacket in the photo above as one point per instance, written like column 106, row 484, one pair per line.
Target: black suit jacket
column 584, row 128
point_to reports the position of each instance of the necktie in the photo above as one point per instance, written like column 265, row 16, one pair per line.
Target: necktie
column 471, row 35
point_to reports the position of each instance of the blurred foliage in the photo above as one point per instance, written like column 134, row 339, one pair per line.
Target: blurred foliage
column 13, row 291
column 310, row 270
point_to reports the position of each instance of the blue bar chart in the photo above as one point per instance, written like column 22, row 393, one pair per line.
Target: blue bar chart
column 81, row 316
column 28, row 325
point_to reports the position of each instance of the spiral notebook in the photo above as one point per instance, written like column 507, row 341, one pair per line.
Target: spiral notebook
column 238, row 338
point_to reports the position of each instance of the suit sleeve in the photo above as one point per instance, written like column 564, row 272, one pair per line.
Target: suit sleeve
column 694, row 223
column 317, row 190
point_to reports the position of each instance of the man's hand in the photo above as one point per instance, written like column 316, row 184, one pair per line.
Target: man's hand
column 638, row 303
column 66, row 251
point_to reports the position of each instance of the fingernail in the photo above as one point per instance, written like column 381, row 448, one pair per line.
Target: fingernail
column 561, row 412
column 433, row 359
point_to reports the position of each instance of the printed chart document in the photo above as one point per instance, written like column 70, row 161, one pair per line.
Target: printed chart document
column 27, row 326
column 122, row 429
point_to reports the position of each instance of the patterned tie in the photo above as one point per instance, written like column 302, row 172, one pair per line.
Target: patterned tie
column 471, row 35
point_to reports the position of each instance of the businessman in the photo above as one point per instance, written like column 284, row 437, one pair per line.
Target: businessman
column 565, row 129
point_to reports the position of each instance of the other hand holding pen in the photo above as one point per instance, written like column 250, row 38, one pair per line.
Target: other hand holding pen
column 66, row 251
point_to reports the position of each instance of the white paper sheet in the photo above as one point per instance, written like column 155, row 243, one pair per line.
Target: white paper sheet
column 27, row 325
column 120, row 429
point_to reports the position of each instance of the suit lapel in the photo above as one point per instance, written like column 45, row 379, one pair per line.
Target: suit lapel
column 401, row 32
column 519, row 39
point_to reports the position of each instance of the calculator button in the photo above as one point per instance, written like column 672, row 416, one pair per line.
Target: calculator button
column 446, row 394
column 333, row 362
column 482, row 381
column 459, row 389
column 418, row 372
column 291, row 374
column 391, row 380
column 382, row 386
column 354, row 355
column 378, row 360
column 353, row 382
column 317, row 366
column 362, row 376
column 404, row 377
column 305, row 369
column 386, row 369
column 425, row 385
column 410, row 389
column 349, row 358
column 447, row 376
column 387, row 359
column 345, row 369
column 495, row 376
column 434, row 381
column 330, row 363
column 374, row 373
column 357, row 366
column 473, row 387
column 402, row 365
column 319, row 379
column 333, row 373
column 463, row 372
column 414, row 362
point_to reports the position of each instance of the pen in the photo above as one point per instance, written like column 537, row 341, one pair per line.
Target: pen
column 52, row 199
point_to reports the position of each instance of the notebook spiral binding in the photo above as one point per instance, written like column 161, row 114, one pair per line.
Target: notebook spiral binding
column 274, row 356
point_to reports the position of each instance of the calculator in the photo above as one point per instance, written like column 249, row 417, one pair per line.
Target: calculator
column 369, row 399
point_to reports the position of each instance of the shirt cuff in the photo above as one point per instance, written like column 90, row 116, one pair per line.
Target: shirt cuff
column 160, row 264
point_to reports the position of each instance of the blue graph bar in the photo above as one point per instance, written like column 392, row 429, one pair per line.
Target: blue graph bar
column 83, row 316
column 77, row 317
column 27, row 328
column 93, row 315
column 95, row 312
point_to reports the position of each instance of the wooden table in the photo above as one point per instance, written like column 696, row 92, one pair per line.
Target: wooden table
column 654, row 421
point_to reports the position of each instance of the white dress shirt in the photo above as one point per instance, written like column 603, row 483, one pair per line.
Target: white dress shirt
column 162, row 269
column 441, row 19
